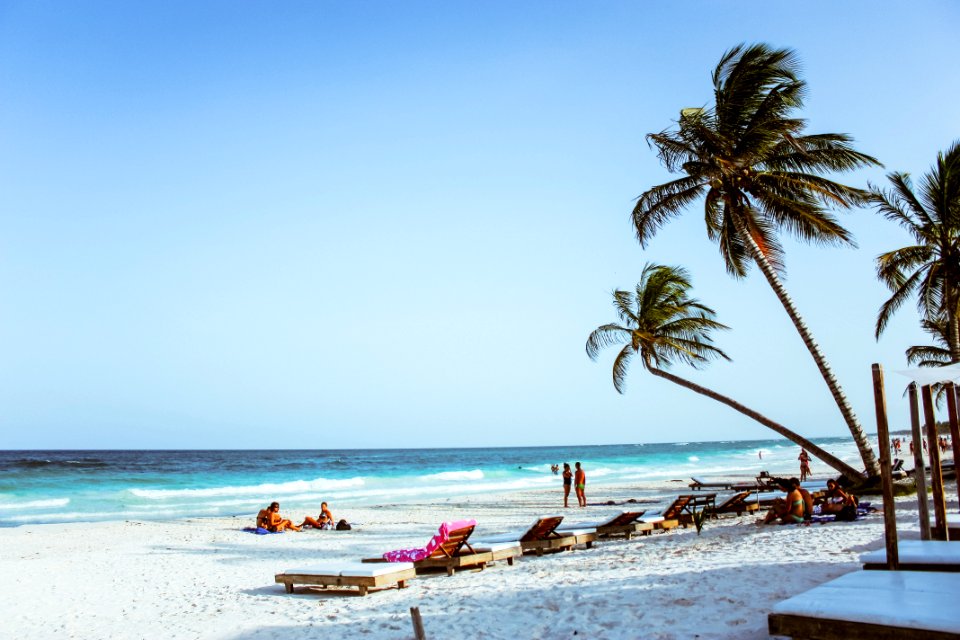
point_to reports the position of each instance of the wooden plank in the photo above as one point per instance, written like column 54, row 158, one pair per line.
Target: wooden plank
column 826, row 629
column 919, row 473
column 886, row 477
column 418, row 631
column 933, row 450
column 954, row 427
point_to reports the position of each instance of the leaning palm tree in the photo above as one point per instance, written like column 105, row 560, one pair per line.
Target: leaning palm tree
column 929, row 269
column 662, row 325
column 748, row 158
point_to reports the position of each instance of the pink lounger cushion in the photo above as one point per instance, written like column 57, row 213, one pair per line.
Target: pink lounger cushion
column 899, row 599
column 419, row 553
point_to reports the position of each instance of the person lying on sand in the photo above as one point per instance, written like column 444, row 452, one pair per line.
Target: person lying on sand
column 323, row 521
column 271, row 520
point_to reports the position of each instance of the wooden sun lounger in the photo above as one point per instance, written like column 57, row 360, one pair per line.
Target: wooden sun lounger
column 625, row 524
column 455, row 553
column 684, row 506
column 737, row 503
column 880, row 605
column 699, row 484
column 508, row 551
column 349, row 574
column 543, row 537
column 918, row 555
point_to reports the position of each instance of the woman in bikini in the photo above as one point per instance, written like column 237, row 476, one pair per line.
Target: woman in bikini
column 323, row 521
column 567, row 483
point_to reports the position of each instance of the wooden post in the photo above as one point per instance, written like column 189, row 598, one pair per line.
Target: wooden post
column 883, row 435
column 954, row 427
column 919, row 468
column 417, row 624
column 933, row 450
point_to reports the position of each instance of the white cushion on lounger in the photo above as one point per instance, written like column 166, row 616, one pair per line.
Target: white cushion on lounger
column 577, row 532
column 652, row 519
column 918, row 552
column 495, row 547
column 900, row 599
column 351, row 569
column 579, row 525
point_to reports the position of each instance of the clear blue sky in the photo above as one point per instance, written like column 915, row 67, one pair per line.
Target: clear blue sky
column 384, row 224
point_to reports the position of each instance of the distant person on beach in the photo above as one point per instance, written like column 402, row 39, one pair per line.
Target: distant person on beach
column 580, row 483
column 555, row 468
column 804, row 459
column 323, row 521
column 567, row 483
column 271, row 520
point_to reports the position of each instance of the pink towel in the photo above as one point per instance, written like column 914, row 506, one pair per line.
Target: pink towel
column 419, row 553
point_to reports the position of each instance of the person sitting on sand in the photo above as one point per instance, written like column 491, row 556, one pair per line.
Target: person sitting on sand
column 835, row 499
column 793, row 510
column 271, row 520
column 323, row 521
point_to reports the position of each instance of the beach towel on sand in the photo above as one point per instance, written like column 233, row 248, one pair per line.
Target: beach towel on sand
column 260, row 531
column 419, row 553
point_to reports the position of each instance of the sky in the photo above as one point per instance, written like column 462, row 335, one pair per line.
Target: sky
column 381, row 224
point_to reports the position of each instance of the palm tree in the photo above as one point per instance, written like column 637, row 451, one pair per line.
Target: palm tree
column 931, row 267
column 758, row 173
column 933, row 355
column 663, row 325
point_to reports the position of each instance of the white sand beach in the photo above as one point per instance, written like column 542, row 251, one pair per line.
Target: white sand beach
column 205, row 578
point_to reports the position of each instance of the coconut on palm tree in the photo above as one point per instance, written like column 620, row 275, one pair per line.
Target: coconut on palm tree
column 661, row 324
column 930, row 268
column 758, row 173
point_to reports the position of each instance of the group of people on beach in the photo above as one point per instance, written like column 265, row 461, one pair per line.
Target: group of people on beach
column 799, row 507
column 577, row 479
column 271, row 520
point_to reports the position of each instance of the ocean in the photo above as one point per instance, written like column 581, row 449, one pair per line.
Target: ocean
column 82, row 486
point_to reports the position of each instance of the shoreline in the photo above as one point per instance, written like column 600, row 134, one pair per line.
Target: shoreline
column 204, row 578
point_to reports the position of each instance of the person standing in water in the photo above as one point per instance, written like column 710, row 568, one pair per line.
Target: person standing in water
column 580, row 482
column 567, row 483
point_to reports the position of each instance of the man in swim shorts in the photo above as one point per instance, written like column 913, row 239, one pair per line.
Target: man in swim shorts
column 580, row 484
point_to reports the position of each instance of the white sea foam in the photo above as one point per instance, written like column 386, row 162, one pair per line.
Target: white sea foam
column 693, row 459
column 296, row 486
column 38, row 504
column 452, row 476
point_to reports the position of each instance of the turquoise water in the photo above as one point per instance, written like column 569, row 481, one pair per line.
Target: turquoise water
column 77, row 486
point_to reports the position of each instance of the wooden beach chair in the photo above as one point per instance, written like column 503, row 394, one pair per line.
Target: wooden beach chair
column 349, row 574
column 683, row 508
column 881, row 605
column 699, row 484
column 917, row 555
column 624, row 524
column 543, row 537
column 737, row 503
column 448, row 550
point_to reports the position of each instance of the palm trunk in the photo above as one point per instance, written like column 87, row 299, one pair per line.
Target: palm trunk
column 866, row 451
column 831, row 461
column 953, row 324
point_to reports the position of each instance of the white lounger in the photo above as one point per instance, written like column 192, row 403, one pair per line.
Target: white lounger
column 873, row 604
column 543, row 536
column 349, row 574
column 918, row 555
column 500, row 550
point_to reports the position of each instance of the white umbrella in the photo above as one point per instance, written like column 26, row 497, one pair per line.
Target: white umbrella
column 932, row 375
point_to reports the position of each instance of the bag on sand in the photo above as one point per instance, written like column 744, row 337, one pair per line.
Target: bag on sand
column 343, row 525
